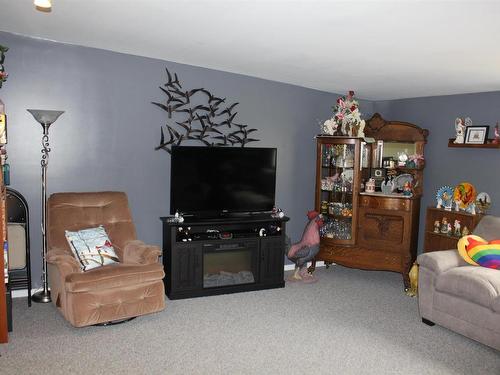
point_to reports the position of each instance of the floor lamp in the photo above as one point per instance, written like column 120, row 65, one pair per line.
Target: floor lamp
column 45, row 118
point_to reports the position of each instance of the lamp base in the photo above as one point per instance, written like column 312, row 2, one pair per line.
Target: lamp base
column 41, row 297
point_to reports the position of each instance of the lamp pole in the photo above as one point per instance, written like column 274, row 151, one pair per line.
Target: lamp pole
column 45, row 118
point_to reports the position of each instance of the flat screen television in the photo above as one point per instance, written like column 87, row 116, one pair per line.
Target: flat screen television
column 215, row 181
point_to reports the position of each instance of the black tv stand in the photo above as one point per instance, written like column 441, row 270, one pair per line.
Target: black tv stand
column 223, row 255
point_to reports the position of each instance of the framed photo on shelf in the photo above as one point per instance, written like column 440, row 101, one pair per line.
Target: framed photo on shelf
column 476, row 135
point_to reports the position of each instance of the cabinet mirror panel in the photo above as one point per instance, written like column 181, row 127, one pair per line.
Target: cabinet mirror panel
column 389, row 153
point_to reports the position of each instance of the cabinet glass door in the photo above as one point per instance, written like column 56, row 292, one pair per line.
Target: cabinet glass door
column 337, row 189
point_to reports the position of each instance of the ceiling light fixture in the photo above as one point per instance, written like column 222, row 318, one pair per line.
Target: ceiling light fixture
column 43, row 5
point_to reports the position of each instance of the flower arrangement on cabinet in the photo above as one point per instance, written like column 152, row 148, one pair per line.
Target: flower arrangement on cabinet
column 415, row 161
column 346, row 119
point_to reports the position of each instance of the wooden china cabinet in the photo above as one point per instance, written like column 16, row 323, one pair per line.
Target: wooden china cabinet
column 370, row 230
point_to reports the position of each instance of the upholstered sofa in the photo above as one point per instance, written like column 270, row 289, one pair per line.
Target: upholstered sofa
column 111, row 293
column 459, row 296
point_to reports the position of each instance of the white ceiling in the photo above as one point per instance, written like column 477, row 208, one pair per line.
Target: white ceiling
column 380, row 49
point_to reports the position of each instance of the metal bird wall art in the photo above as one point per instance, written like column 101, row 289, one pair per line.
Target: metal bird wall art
column 198, row 116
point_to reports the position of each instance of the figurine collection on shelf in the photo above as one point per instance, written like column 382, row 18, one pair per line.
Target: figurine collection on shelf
column 462, row 198
column 444, row 227
column 392, row 183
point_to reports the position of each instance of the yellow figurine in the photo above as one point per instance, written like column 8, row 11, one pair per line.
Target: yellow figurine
column 412, row 291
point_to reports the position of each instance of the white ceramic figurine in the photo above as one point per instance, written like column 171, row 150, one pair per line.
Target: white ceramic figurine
column 460, row 130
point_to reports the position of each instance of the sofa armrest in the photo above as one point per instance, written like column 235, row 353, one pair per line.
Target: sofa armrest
column 137, row 252
column 65, row 262
column 440, row 261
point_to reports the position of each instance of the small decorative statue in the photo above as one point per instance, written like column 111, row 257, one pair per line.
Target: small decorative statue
column 407, row 190
column 459, row 130
column 465, row 231
column 387, row 186
column 402, row 158
column 449, row 230
column 437, row 225
column 496, row 140
column 439, row 203
column 370, row 186
column 456, row 226
column 177, row 218
column 447, row 201
column 304, row 251
column 277, row 213
column 457, row 205
column 471, row 209
column 444, row 225
column 412, row 291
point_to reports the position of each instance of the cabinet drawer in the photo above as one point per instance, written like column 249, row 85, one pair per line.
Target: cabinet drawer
column 385, row 203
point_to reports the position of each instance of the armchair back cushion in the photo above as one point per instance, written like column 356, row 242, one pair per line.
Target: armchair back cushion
column 75, row 211
column 488, row 228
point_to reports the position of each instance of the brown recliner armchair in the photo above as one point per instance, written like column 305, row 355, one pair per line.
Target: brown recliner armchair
column 114, row 292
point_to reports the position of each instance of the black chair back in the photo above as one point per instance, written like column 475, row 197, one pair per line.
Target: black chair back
column 18, row 213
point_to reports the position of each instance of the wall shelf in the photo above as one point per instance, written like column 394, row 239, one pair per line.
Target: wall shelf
column 488, row 144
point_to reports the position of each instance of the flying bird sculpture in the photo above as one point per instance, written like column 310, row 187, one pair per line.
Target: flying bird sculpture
column 197, row 120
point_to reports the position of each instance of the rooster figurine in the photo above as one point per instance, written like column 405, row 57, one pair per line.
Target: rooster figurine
column 304, row 251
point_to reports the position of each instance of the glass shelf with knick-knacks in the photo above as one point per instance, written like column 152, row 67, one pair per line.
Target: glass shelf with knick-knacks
column 337, row 156
column 337, row 186
column 337, row 228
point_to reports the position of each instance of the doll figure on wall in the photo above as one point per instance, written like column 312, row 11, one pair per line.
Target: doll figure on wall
column 459, row 130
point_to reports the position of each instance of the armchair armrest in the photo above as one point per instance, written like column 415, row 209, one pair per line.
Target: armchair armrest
column 440, row 261
column 65, row 262
column 137, row 252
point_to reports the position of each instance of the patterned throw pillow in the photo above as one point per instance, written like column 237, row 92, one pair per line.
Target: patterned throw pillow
column 478, row 252
column 91, row 247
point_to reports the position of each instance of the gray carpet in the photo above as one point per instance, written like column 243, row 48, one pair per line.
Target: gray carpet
column 350, row 322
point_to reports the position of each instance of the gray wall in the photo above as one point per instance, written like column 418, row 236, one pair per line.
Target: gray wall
column 450, row 166
column 105, row 139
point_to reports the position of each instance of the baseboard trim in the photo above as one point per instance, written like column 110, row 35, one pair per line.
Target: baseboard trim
column 23, row 293
column 291, row 266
